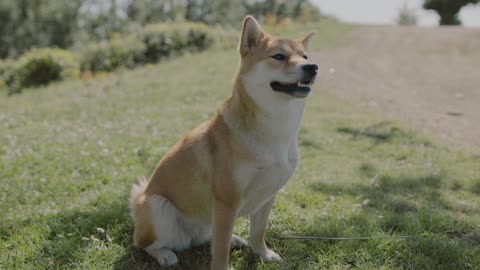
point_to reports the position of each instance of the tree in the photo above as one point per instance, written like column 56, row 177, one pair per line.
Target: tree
column 448, row 9
column 152, row 11
column 68, row 23
column 407, row 16
column 280, row 9
column 36, row 23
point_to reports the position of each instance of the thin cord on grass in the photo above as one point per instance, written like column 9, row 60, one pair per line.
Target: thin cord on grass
column 347, row 238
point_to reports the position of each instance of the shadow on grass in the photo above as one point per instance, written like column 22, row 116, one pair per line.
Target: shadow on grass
column 382, row 132
column 74, row 236
column 72, row 232
column 134, row 258
column 403, row 206
column 391, row 193
column 81, row 236
column 106, row 225
column 197, row 258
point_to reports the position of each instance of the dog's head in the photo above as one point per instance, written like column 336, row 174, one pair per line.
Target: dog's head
column 274, row 66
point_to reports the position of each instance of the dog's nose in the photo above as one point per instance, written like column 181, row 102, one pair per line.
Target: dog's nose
column 311, row 69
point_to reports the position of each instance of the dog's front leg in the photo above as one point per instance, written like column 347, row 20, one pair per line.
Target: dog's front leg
column 258, row 224
column 223, row 223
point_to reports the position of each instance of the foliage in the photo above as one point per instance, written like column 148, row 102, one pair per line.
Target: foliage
column 6, row 73
column 152, row 11
column 407, row 16
column 99, row 19
column 282, row 9
column 153, row 43
column 163, row 40
column 126, row 51
column 448, row 9
column 36, row 23
column 63, row 24
column 214, row 12
column 42, row 66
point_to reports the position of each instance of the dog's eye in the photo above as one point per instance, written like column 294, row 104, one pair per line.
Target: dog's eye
column 306, row 57
column 279, row 57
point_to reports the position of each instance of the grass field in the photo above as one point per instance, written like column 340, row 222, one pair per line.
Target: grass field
column 70, row 152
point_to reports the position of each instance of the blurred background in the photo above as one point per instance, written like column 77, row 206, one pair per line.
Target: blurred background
column 389, row 11
column 64, row 24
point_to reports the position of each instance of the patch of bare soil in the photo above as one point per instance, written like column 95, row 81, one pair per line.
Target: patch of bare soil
column 429, row 77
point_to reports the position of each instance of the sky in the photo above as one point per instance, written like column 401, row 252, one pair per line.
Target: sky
column 386, row 11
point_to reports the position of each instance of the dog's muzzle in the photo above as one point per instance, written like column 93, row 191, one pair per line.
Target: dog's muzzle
column 299, row 89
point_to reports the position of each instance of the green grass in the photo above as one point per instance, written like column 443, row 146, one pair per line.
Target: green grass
column 70, row 152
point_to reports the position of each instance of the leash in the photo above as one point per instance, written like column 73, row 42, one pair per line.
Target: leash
column 346, row 238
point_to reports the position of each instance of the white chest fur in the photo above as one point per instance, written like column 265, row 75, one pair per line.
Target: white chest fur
column 272, row 142
column 260, row 179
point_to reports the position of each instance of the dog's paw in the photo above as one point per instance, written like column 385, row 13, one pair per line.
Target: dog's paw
column 237, row 242
column 268, row 255
column 166, row 257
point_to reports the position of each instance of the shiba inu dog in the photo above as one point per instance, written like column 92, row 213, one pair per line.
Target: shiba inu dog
column 234, row 164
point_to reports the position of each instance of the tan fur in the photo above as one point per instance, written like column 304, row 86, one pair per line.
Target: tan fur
column 199, row 175
column 143, row 234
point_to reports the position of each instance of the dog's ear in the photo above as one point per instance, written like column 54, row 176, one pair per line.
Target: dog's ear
column 306, row 40
column 251, row 35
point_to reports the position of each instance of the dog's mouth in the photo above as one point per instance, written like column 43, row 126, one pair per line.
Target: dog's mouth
column 299, row 89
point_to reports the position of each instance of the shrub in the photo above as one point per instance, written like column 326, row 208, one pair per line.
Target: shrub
column 153, row 43
column 200, row 37
column 6, row 73
column 126, row 51
column 42, row 66
column 407, row 16
column 164, row 40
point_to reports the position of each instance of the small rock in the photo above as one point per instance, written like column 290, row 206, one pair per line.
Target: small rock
column 454, row 113
column 365, row 203
column 374, row 182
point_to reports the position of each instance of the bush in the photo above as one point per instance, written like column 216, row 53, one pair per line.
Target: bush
column 407, row 16
column 42, row 66
column 126, row 51
column 163, row 40
column 153, row 43
column 6, row 73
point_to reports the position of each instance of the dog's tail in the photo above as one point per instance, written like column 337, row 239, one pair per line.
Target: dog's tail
column 143, row 233
column 136, row 194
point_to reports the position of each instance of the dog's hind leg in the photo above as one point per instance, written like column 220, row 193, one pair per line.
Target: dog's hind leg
column 159, row 226
column 163, row 255
column 237, row 242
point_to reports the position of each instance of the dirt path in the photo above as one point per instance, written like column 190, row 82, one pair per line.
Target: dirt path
column 429, row 77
